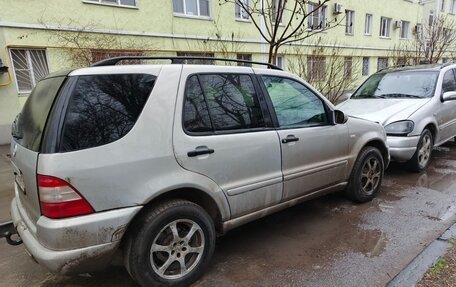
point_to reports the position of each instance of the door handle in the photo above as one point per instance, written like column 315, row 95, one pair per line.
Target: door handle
column 200, row 150
column 290, row 138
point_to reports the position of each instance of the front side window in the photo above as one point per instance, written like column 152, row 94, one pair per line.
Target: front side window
column 317, row 19
column 449, row 82
column 30, row 66
column 198, row 8
column 131, row 3
column 385, row 27
column 221, row 102
column 295, row 105
column 349, row 22
column 397, row 85
column 240, row 11
column 104, row 108
column 368, row 25
column 405, row 28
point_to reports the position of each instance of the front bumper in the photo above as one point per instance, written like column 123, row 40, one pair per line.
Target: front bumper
column 402, row 148
column 73, row 245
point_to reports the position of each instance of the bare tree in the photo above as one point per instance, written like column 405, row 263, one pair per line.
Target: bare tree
column 282, row 22
column 84, row 45
column 327, row 68
column 432, row 42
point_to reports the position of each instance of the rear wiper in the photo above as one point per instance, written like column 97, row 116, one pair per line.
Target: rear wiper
column 399, row 96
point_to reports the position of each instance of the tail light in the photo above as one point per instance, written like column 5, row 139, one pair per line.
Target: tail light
column 58, row 199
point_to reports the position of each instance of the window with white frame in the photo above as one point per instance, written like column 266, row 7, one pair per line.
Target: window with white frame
column 385, row 27
column 366, row 66
column 240, row 9
column 130, row 3
column 368, row 25
column 278, row 11
column 349, row 22
column 348, row 67
column 29, row 66
column 382, row 63
column 316, row 66
column 431, row 18
column 197, row 8
column 405, row 29
column 317, row 19
column 280, row 62
column 244, row 57
column 453, row 6
column 442, row 6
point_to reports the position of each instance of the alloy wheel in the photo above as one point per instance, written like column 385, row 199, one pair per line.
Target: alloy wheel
column 370, row 175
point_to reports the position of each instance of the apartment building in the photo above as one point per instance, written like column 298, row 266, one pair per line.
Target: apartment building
column 41, row 37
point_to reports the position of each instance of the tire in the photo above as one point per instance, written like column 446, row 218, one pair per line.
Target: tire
column 165, row 226
column 420, row 159
column 366, row 176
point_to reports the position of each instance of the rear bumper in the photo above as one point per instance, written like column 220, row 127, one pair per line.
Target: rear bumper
column 402, row 148
column 74, row 245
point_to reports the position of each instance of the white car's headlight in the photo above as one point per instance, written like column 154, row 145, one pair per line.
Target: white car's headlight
column 401, row 128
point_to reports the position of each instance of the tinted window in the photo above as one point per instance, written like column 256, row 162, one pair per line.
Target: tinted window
column 29, row 125
column 449, row 82
column 294, row 103
column 104, row 108
column 232, row 101
column 398, row 85
column 196, row 114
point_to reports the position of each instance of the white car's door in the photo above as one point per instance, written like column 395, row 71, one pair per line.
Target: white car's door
column 446, row 114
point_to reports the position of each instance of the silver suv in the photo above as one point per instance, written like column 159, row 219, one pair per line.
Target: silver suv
column 417, row 106
column 153, row 161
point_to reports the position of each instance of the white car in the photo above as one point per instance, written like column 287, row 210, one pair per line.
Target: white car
column 415, row 104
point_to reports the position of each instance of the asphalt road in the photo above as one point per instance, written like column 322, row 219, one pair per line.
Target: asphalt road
column 329, row 241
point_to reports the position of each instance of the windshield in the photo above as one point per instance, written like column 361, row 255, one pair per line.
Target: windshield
column 398, row 85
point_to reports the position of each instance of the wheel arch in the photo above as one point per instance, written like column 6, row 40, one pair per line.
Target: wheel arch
column 381, row 146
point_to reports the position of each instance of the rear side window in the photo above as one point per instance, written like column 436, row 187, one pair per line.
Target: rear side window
column 449, row 82
column 103, row 109
column 28, row 127
column 221, row 102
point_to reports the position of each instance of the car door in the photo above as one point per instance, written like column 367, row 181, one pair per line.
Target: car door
column 314, row 150
column 222, row 131
column 446, row 115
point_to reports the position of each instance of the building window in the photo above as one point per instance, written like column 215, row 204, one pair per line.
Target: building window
column 316, row 68
column 442, row 7
column 197, row 54
column 239, row 11
column 445, row 60
column 280, row 62
column 349, row 22
column 453, row 6
column 317, row 19
column 30, row 66
column 382, row 63
column 385, row 27
column 244, row 57
column 366, row 69
column 277, row 11
column 348, row 67
column 431, row 18
column 368, row 25
column 198, row 8
column 405, row 28
column 130, row 3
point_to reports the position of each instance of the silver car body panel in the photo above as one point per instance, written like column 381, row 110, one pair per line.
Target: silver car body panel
column 244, row 177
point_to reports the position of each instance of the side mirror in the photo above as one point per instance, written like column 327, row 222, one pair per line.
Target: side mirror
column 340, row 117
column 449, row 96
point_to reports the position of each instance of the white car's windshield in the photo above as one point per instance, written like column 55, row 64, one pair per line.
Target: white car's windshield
column 404, row 84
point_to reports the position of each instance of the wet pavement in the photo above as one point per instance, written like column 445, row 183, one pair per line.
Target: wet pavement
column 328, row 241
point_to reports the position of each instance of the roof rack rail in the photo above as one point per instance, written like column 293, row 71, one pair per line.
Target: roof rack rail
column 451, row 62
column 177, row 60
column 394, row 67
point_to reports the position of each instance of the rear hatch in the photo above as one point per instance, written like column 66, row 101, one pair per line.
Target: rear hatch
column 28, row 133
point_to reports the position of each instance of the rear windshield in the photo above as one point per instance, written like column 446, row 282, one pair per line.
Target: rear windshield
column 398, row 85
column 104, row 108
column 29, row 124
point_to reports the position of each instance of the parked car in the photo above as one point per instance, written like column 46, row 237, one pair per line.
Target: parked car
column 415, row 104
column 153, row 161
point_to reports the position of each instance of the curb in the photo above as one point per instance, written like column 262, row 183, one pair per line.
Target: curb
column 415, row 270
